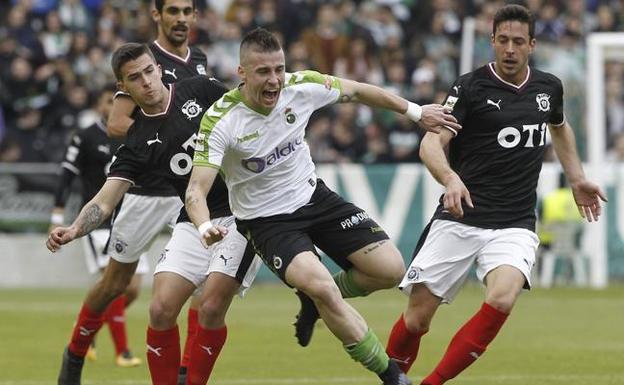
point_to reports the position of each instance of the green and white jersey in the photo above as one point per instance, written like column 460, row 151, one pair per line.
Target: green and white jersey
column 266, row 161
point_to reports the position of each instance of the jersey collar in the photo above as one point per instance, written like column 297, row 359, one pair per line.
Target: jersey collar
column 516, row 87
column 169, row 103
column 183, row 60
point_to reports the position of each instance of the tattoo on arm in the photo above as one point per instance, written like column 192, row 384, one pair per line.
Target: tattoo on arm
column 190, row 198
column 373, row 247
column 89, row 219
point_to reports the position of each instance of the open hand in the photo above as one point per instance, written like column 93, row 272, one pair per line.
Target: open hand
column 587, row 196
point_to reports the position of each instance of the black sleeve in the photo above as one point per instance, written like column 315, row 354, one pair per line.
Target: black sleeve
column 210, row 89
column 63, row 187
column 128, row 163
column 557, row 116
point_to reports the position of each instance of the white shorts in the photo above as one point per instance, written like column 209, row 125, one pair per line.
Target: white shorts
column 450, row 248
column 185, row 255
column 138, row 222
column 94, row 245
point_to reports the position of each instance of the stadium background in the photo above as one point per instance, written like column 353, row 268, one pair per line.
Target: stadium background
column 54, row 58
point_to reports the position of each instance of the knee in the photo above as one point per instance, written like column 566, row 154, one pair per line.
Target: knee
column 162, row 315
column 417, row 322
column 502, row 301
column 132, row 292
column 114, row 286
column 323, row 291
column 212, row 312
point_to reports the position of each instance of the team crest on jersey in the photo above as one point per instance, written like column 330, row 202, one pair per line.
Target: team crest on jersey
column 201, row 69
column 290, row 115
column 543, row 102
column 191, row 109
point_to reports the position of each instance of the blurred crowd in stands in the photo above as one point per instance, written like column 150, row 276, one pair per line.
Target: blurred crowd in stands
column 55, row 55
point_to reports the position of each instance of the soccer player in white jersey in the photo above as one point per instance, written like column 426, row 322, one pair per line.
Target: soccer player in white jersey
column 255, row 134
column 486, row 217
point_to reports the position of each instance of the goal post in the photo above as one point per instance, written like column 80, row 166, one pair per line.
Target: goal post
column 601, row 47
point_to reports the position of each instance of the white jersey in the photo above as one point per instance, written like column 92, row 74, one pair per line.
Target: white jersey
column 265, row 160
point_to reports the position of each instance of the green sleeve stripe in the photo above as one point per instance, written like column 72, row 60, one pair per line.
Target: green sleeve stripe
column 309, row 76
column 210, row 119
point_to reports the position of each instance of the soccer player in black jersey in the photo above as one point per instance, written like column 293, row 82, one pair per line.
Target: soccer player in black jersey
column 155, row 201
column 89, row 156
column 487, row 214
column 162, row 139
column 178, row 60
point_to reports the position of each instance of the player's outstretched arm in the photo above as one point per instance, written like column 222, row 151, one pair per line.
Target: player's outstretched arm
column 431, row 117
column 202, row 179
column 586, row 194
column 433, row 155
column 92, row 214
column 120, row 119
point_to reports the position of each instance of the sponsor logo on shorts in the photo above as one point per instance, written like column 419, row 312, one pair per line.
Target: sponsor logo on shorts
column 120, row 246
column 376, row 229
column 354, row 220
column 277, row 262
column 162, row 257
column 414, row 273
column 225, row 260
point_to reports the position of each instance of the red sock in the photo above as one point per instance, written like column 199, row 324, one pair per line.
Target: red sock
column 403, row 345
column 85, row 329
column 468, row 344
column 206, row 349
column 191, row 331
column 163, row 355
column 115, row 317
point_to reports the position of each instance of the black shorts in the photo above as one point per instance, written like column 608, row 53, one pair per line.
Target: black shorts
column 327, row 221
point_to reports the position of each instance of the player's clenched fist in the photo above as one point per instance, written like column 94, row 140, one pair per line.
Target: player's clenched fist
column 60, row 236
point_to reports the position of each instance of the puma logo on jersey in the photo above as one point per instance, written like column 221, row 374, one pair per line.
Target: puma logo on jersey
column 456, row 88
column 150, row 142
column 497, row 104
column 154, row 350
column 172, row 73
column 225, row 260
column 208, row 349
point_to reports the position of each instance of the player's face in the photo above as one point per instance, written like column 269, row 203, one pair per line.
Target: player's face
column 141, row 79
column 105, row 104
column 175, row 20
column 512, row 47
column 263, row 76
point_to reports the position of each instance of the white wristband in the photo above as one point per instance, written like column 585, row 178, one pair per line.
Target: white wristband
column 57, row 219
column 204, row 227
column 414, row 111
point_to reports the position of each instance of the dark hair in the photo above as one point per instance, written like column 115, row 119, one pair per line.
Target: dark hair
column 127, row 52
column 514, row 12
column 261, row 39
column 159, row 4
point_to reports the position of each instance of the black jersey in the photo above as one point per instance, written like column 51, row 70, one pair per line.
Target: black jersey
column 498, row 153
column 89, row 156
column 163, row 144
column 174, row 68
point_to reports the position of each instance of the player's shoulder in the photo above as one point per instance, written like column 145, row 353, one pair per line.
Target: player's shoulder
column 197, row 52
column 546, row 77
column 208, row 88
column 224, row 109
column 308, row 77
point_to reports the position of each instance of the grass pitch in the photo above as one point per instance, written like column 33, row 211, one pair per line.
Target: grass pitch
column 558, row 336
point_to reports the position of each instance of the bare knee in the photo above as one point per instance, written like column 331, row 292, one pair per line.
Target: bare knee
column 417, row 320
column 323, row 292
column 212, row 312
column 163, row 315
column 502, row 301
